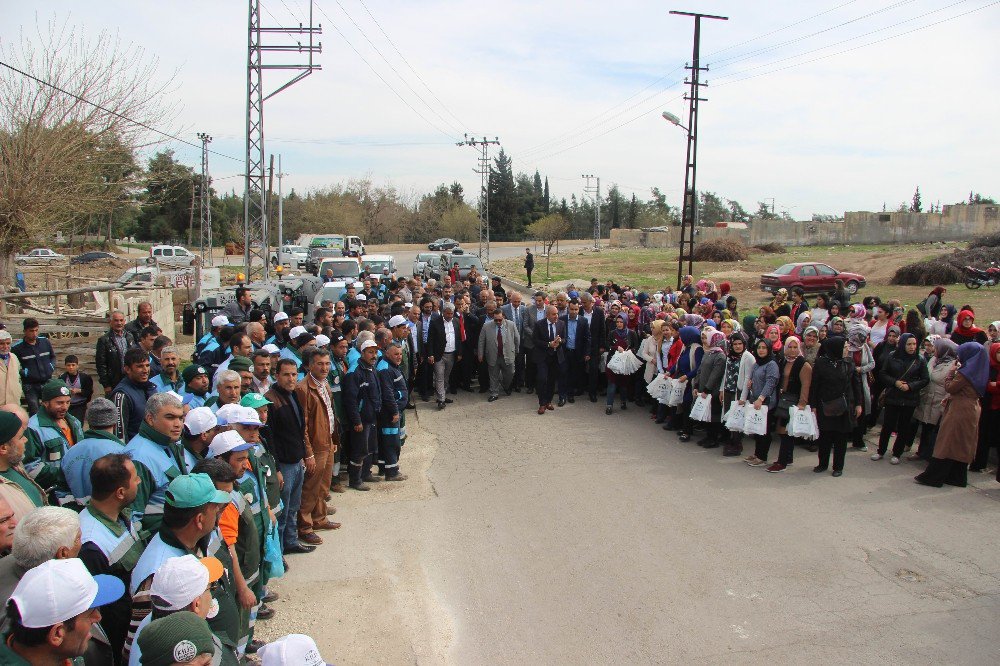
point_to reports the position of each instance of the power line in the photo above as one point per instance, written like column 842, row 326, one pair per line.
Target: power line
column 380, row 77
column 116, row 114
column 781, row 29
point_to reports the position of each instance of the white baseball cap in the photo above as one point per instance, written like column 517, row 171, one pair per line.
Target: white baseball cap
column 181, row 580
column 227, row 414
column 322, row 340
column 291, row 650
column 200, row 420
column 220, row 320
column 281, row 316
column 271, row 349
column 175, row 395
column 246, row 416
column 5, row 335
column 59, row 590
column 397, row 320
column 297, row 331
column 226, row 442
column 361, row 297
column 366, row 344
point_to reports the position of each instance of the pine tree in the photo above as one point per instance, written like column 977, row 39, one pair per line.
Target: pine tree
column 502, row 197
column 545, row 196
column 916, row 206
column 632, row 217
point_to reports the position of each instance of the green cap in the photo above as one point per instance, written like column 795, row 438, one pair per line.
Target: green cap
column 254, row 400
column 193, row 371
column 9, row 425
column 178, row 638
column 240, row 364
column 55, row 389
column 194, row 490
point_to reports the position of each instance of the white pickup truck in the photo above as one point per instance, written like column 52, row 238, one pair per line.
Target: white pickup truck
column 292, row 256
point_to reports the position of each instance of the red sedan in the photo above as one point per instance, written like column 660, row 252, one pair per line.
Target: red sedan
column 812, row 277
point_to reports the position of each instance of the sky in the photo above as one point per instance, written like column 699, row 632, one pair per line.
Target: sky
column 825, row 106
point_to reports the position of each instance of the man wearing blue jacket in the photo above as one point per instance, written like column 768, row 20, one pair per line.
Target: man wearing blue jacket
column 38, row 361
column 391, row 418
column 362, row 404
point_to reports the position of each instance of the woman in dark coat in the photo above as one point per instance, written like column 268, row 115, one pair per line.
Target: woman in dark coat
column 835, row 402
column 904, row 375
column 620, row 338
column 958, row 433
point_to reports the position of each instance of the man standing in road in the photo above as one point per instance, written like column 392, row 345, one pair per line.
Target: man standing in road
column 38, row 362
column 111, row 348
column 532, row 315
column 515, row 312
column 143, row 320
column 321, row 441
column 444, row 350
column 98, row 441
column 132, row 392
column 169, row 378
column 577, row 352
column 598, row 327
column 10, row 372
column 550, row 357
column 498, row 343
column 362, row 404
column 529, row 263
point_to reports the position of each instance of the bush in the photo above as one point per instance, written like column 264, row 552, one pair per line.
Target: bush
column 990, row 240
column 721, row 249
column 771, row 248
column 928, row 273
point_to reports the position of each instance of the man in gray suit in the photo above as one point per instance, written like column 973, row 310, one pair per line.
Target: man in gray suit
column 532, row 314
column 516, row 313
column 498, row 343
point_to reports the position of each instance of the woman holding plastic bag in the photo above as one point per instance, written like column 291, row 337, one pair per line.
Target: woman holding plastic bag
column 835, row 402
column 928, row 413
column 864, row 363
column 650, row 348
column 684, row 371
column 762, row 391
column 739, row 366
column 796, row 377
column 708, row 384
column 620, row 339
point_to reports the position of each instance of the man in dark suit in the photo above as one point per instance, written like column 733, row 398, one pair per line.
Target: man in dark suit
column 444, row 349
column 425, row 371
column 516, row 312
column 532, row 314
column 578, row 351
column 550, row 358
column 598, row 325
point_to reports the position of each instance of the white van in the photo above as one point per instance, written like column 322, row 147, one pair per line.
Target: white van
column 170, row 255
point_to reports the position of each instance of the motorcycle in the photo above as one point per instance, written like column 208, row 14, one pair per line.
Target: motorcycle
column 977, row 277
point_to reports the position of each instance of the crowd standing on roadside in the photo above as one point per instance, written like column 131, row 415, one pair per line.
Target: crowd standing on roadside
column 168, row 505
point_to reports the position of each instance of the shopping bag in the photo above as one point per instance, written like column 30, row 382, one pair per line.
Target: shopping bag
column 676, row 396
column 659, row 387
column 755, row 422
column 815, row 434
column 800, row 423
column 701, row 410
column 624, row 363
column 603, row 364
column 736, row 417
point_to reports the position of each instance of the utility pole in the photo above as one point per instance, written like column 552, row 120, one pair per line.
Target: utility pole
column 484, row 196
column 205, row 203
column 255, row 235
column 281, row 216
column 691, row 163
column 597, row 207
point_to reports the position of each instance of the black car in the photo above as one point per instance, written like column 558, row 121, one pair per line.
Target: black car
column 443, row 244
column 88, row 257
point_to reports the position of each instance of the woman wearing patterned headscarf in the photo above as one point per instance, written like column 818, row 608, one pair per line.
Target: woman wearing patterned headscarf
column 928, row 413
column 810, row 343
column 864, row 363
column 958, row 431
column 708, row 382
column 793, row 390
column 739, row 366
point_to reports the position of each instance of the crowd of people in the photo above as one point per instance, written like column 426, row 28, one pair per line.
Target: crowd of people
column 172, row 501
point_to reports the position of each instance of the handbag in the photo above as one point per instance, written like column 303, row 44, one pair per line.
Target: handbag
column 835, row 407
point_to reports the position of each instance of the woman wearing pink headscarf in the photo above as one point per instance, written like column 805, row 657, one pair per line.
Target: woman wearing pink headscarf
column 708, row 381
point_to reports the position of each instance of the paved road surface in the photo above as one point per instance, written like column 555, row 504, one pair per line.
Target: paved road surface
column 577, row 537
column 404, row 257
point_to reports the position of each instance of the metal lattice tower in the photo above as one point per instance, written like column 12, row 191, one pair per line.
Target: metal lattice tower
column 484, row 196
column 256, row 238
column 597, row 207
column 205, row 203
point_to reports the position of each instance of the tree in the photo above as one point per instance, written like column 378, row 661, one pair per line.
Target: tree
column 548, row 230
column 460, row 222
column 166, row 202
column 764, row 212
column 712, row 210
column 737, row 212
column 916, row 206
column 632, row 215
column 66, row 160
column 502, row 197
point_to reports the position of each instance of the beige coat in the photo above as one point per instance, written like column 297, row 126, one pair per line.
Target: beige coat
column 958, row 435
column 10, row 381
column 929, row 410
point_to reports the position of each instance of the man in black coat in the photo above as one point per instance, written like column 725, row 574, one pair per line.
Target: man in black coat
column 598, row 325
column 550, row 358
column 111, row 348
column 529, row 263
column 578, row 352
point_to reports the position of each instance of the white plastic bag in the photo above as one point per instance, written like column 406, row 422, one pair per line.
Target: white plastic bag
column 659, row 387
column 800, row 423
column 815, row 436
column 676, row 396
column 624, row 363
column 736, row 417
column 603, row 364
column 755, row 422
column 701, row 410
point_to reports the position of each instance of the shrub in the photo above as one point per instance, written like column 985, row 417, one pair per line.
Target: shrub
column 990, row 240
column 928, row 273
column 721, row 249
column 771, row 248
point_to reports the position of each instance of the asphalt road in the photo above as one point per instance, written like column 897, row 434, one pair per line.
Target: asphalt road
column 404, row 255
column 576, row 537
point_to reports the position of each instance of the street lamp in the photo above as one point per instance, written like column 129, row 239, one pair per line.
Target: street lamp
column 673, row 120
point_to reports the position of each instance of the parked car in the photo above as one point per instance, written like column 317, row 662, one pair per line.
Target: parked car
column 171, row 255
column 331, row 291
column 292, row 256
column 40, row 255
column 420, row 262
column 344, row 268
column 465, row 263
column 88, row 257
column 443, row 244
column 811, row 276
column 374, row 264
column 317, row 254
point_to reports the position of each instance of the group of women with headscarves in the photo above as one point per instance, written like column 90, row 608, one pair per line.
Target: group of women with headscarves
column 853, row 365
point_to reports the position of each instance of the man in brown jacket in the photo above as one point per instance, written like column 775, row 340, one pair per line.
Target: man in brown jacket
column 321, row 442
